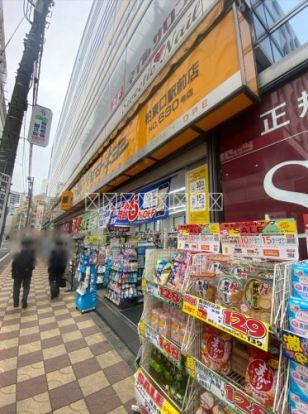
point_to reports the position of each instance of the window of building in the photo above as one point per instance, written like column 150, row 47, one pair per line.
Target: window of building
column 279, row 28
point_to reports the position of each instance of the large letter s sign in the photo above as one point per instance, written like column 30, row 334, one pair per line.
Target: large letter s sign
column 284, row 195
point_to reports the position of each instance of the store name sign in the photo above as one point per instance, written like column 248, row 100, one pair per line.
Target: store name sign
column 224, row 390
column 191, row 91
column 243, row 327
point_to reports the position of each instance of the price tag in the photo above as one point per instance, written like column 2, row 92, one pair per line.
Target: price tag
column 168, row 408
column 191, row 366
column 170, row 295
column 143, row 284
column 247, row 329
column 169, row 349
column 141, row 328
column 242, row 402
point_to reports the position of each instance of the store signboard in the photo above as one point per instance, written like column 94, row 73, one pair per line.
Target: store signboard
column 245, row 328
column 223, row 389
column 197, row 185
column 269, row 239
column 76, row 224
column 149, row 399
column 149, row 205
column 203, row 85
column 295, row 347
column 5, row 182
column 40, row 124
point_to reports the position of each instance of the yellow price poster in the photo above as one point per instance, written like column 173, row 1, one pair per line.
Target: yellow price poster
column 167, row 408
column 197, row 186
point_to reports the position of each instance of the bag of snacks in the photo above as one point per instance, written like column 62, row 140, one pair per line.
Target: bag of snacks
column 216, row 350
column 257, row 298
column 261, row 375
column 229, row 291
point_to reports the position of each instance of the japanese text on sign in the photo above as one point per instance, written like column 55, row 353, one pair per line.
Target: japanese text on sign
column 247, row 329
column 295, row 347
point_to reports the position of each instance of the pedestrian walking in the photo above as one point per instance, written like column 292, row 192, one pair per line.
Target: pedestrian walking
column 56, row 267
column 22, row 268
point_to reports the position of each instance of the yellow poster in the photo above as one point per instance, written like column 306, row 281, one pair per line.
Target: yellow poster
column 197, row 187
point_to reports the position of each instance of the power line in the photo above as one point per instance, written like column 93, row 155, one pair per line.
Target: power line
column 12, row 35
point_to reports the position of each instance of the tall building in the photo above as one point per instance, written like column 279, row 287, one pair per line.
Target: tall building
column 2, row 71
column 44, row 185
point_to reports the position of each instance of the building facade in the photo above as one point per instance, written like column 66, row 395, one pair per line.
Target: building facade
column 2, row 71
column 160, row 88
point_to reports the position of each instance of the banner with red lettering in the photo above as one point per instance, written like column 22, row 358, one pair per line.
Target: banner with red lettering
column 150, row 204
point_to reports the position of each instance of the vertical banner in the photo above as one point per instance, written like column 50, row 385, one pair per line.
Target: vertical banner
column 197, row 185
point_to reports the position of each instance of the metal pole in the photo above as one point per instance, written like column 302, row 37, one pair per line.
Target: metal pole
column 32, row 47
column 30, row 187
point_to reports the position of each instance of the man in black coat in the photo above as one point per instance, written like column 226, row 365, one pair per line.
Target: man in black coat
column 22, row 268
column 56, row 267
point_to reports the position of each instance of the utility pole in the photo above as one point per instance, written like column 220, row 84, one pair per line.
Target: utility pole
column 33, row 44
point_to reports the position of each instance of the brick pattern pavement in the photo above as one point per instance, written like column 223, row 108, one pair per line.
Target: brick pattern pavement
column 55, row 360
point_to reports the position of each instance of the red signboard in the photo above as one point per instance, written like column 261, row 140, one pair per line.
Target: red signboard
column 264, row 158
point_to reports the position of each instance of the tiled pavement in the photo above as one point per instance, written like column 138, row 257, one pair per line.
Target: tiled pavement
column 54, row 359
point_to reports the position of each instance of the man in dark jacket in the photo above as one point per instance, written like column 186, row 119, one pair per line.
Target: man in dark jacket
column 22, row 268
column 56, row 267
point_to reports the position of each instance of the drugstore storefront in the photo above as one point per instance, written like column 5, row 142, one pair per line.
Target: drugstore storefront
column 264, row 158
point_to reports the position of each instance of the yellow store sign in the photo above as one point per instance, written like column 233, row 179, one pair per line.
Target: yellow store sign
column 210, row 85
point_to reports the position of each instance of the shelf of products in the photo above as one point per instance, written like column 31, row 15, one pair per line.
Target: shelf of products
column 221, row 317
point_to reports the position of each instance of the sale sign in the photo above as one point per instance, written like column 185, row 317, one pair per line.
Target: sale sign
column 223, row 389
column 270, row 239
column 149, row 205
column 149, row 399
column 243, row 327
column 208, row 242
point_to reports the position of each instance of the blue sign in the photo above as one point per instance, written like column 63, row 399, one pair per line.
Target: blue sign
column 150, row 204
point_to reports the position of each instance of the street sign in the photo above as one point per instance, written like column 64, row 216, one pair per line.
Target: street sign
column 40, row 126
column 5, row 181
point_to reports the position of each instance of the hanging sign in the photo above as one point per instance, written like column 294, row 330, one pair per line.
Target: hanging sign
column 270, row 239
column 250, row 330
column 5, row 182
column 295, row 347
column 150, row 204
column 40, row 124
column 149, row 399
column 197, row 186
column 225, row 390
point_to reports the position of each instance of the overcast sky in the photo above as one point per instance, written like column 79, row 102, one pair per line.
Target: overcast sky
column 62, row 40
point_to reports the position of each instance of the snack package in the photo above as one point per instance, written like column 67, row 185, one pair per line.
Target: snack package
column 155, row 319
column 257, row 298
column 300, row 280
column 261, row 375
column 229, row 291
column 209, row 405
column 164, row 325
column 205, row 287
column 216, row 350
column 299, row 383
column 296, row 404
column 164, row 271
column 298, row 316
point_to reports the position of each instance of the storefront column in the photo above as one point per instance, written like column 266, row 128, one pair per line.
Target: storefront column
column 215, row 187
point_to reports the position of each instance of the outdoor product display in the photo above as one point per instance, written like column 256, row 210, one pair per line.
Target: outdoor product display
column 222, row 318
column 86, row 291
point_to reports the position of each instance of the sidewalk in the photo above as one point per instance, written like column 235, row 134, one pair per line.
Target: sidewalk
column 53, row 359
